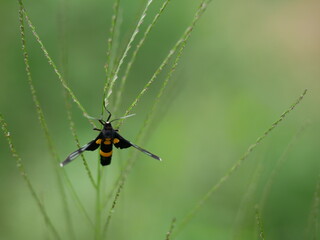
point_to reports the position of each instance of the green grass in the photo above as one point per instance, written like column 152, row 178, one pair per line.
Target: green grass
column 187, row 196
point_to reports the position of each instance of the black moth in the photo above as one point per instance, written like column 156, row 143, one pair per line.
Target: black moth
column 106, row 139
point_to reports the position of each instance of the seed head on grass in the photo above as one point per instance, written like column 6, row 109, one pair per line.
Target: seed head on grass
column 51, row 62
column 312, row 231
column 281, row 160
column 43, row 123
column 23, row 173
column 108, row 87
column 259, row 223
column 229, row 173
column 135, row 52
column 179, row 46
column 173, row 223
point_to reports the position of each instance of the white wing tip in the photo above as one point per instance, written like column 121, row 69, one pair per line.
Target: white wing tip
column 61, row 164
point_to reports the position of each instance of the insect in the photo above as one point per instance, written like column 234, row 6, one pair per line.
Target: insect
column 106, row 139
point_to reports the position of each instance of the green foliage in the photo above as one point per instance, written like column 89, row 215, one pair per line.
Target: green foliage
column 201, row 99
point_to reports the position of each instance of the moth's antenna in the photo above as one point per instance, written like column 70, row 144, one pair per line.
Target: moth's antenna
column 123, row 117
column 93, row 118
column 108, row 112
column 102, row 121
column 105, row 104
column 99, row 119
column 109, row 115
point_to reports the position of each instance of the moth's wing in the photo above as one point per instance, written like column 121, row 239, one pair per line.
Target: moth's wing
column 146, row 152
column 120, row 142
column 91, row 146
column 123, row 143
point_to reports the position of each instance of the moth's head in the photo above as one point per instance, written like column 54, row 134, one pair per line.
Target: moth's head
column 107, row 125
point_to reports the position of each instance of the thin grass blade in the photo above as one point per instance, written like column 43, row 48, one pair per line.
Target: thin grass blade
column 172, row 225
column 135, row 52
column 229, row 173
column 108, row 88
column 43, row 123
column 50, row 61
column 312, row 231
column 259, row 223
column 247, row 202
column 114, row 19
column 281, row 160
column 23, row 173
column 180, row 45
column 111, row 211
column 76, row 138
column 42, row 119
column 62, row 31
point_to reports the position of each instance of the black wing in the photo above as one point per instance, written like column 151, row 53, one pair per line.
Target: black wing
column 120, row 142
column 91, row 146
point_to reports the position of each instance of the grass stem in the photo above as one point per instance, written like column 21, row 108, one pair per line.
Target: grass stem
column 108, row 88
column 259, row 223
column 180, row 43
column 173, row 223
column 216, row 186
column 114, row 19
column 50, row 61
column 98, row 205
column 135, row 52
column 23, row 173
column 58, row 171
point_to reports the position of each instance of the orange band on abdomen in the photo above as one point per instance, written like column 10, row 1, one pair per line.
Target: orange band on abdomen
column 103, row 154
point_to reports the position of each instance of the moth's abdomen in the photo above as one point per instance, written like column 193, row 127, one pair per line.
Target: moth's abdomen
column 105, row 151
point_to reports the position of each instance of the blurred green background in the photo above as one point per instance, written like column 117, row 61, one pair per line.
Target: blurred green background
column 245, row 64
